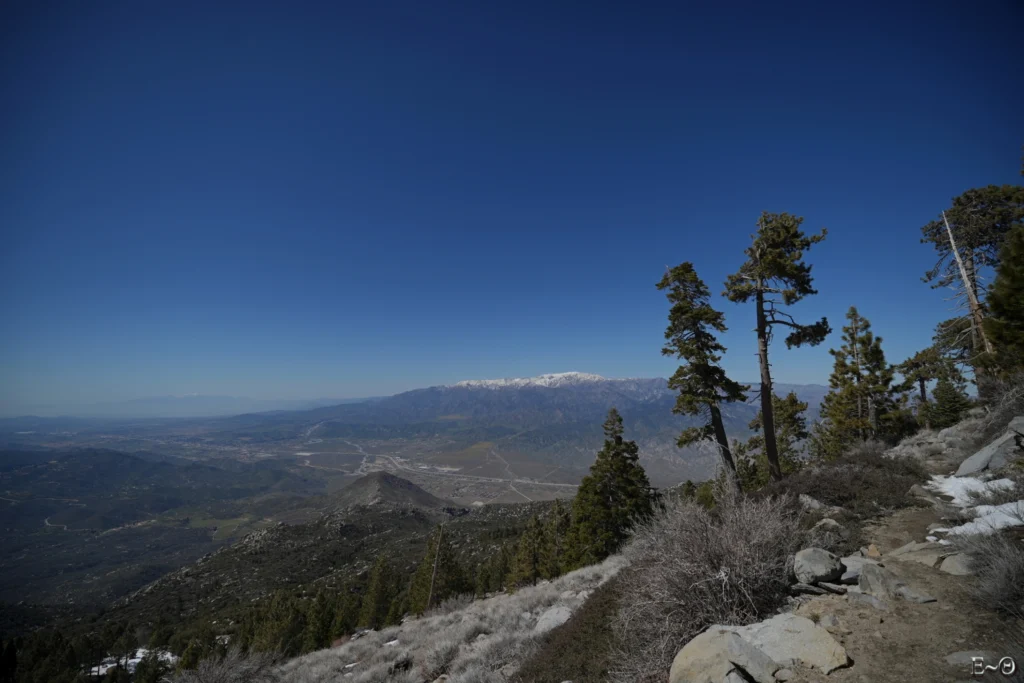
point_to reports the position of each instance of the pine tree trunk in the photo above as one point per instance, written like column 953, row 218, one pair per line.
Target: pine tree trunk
column 771, row 449
column 856, row 366
column 924, row 404
column 723, row 445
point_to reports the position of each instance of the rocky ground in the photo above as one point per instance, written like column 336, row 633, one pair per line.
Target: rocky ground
column 900, row 609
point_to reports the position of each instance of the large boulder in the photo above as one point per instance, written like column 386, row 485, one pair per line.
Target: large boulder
column 791, row 640
column 852, row 565
column 716, row 654
column 994, row 455
column 552, row 618
column 883, row 584
column 812, row 565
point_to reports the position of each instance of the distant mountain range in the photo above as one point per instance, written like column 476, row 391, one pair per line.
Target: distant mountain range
column 192, row 405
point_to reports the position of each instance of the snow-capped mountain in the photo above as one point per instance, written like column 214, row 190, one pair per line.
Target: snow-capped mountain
column 558, row 379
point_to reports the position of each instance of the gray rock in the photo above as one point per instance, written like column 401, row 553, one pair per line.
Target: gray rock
column 928, row 554
column 552, row 617
column 783, row 675
column 996, row 453
column 859, row 598
column 717, row 652
column 836, row 588
column 853, row 564
column 812, row 565
column 883, row 584
column 809, row 503
column 827, row 524
column 829, row 621
column 791, row 640
column 957, row 565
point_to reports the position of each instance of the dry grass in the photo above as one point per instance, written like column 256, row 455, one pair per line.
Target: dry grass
column 998, row 562
column 691, row 568
column 483, row 641
column 234, row 667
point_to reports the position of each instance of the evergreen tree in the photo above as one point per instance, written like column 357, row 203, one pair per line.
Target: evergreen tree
column 281, row 626
column 438, row 576
column 701, row 382
column 556, row 533
column 379, row 594
column 317, row 634
column 979, row 222
column 950, row 404
column 346, row 613
column 862, row 402
column 790, row 431
column 610, row 499
column 151, row 669
column 1006, row 303
column 920, row 369
column 775, row 275
column 527, row 567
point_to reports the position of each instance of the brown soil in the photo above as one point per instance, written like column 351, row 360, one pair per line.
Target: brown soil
column 910, row 642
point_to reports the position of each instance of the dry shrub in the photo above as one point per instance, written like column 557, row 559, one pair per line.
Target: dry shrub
column 692, row 568
column 234, row 667
column 439, row 656
column 1004, row 402
column 456, row 603
column 998, row 562
column 864, row 482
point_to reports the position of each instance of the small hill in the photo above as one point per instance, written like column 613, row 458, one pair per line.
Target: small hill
column 382, row 489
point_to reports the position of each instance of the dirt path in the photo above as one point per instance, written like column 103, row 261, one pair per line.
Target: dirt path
column 910, row 642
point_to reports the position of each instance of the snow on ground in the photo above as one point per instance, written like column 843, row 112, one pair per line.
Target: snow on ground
column 961, row 488
column 133, row 661
column 987, row 518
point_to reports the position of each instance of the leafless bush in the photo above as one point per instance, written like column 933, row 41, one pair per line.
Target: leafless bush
column 234, row 667
column 439, row 656
column 692, row 568
column 998, row 562
column 456, row 603
column 1005, row 402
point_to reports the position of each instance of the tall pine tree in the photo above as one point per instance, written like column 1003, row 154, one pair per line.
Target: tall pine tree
column 790, row 432
column 438, row 576
column 775, row 275
column 950, row 404
column 529, row 553
column 613, row 497
column 701, row 382
column 317, row 634
column 1006, row 303
column 556, row 533
column 380, row 591
column 862, row 402
column 918, row 371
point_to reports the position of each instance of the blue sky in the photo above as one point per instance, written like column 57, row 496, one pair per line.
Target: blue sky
column 342, row 199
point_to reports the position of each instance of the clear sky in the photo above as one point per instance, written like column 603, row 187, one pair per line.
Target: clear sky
column 289, row 199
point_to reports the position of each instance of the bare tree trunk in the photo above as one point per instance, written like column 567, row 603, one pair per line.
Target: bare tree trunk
column 723, row 445
column 924, row 403
column 856, row 366
column 977, row 316
column 433, row 574
column 771, row 449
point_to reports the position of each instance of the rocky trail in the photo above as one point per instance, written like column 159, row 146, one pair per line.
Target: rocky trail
column 902, row 608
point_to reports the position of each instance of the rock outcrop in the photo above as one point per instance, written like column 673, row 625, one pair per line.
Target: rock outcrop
column 995, row 454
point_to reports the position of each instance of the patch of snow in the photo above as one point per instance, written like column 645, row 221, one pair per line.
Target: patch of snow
column 991, row 518
column 392, row 642
column 133, row 661
column 961, row 488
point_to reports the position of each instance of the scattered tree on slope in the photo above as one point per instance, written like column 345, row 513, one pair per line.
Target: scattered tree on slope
column 775, row 275
column 701, row 382
column 614, row 496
